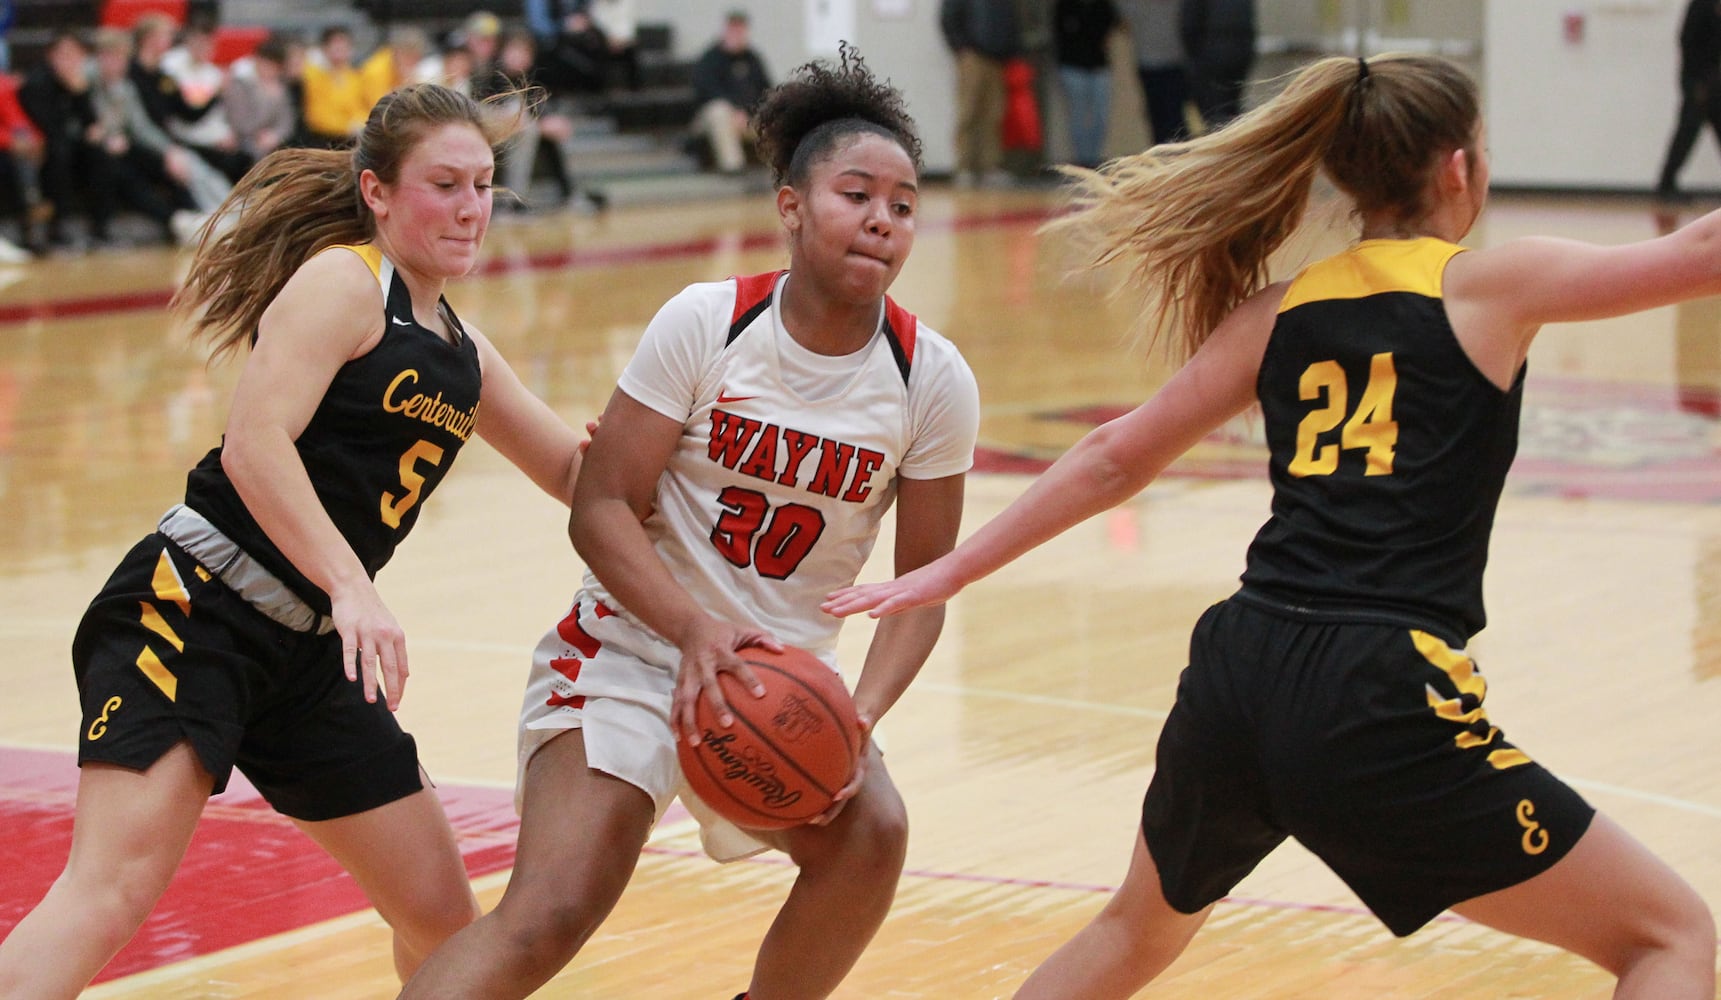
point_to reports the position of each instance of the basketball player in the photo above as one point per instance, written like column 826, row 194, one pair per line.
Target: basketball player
column 1331, row 699
column 755, row 440
column 247, row 630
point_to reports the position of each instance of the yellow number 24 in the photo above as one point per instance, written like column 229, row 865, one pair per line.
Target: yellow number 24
column 1371, row 426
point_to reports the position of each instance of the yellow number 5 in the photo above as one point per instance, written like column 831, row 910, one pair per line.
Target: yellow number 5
column 1370, row 427
column 393, row 510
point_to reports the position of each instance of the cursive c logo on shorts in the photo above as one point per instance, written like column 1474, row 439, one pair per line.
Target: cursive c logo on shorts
column 1535, row 837
column 99, row 728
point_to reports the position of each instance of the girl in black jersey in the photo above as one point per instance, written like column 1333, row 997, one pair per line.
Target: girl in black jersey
column 1331, row 699
column 247, row 630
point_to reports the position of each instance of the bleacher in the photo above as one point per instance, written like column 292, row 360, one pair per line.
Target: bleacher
column 631, row 144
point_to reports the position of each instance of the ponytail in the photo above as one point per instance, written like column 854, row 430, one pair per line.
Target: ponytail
column 1195, row 223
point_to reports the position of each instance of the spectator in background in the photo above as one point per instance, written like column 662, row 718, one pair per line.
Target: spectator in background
column 1699, row 89
column 1080, row 32
column 480, row 36
column 1159, row 65
column 163, row 99
column 335, row 107
column 983, row 35
column 728, row 81
column 20, row 165
column 395, row 63
column 56, row 97
column 144, row 169
column 191, row 64
column 1219, row 40
column 574, row 52
column 259, row 103
column 541, row 135
column 619, row 23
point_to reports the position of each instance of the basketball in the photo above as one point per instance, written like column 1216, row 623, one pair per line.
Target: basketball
column 787, row 754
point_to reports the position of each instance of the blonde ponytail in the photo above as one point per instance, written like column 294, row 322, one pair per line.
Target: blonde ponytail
column 1195, row 223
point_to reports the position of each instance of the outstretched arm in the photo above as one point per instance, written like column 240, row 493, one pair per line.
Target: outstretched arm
column 524, row 428
column 1114, row 462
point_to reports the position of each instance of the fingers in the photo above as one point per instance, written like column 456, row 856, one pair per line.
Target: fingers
column 379, row 665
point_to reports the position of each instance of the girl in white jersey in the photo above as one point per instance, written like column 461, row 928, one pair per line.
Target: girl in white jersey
column 739, row 473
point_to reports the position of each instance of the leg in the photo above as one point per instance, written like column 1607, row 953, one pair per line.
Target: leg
column 581, row 832
column 848, row 876
column 404, row 857
column 1130, row 942
column 717, row 121
column 129, row 835
column 1619, row 906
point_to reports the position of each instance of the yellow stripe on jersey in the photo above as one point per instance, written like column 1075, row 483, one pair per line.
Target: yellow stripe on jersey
column 153, row 621
column 158, row 673
column 167, row 584
column 370, row 253
column 1371, row 268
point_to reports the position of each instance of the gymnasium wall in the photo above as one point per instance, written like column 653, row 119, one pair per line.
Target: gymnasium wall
column 1584, row 93
column 1588, row 105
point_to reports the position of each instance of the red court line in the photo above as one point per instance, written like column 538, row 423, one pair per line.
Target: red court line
column 48, row 308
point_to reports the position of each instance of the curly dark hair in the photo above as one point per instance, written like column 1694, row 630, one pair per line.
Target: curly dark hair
column 801, row 120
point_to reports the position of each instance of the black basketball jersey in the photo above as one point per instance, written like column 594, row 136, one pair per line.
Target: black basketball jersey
column 1388, row 446
column 384, row 435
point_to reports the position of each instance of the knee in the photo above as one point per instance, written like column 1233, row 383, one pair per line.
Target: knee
column 1682, row 928
column 435, row 916
column 547, row 927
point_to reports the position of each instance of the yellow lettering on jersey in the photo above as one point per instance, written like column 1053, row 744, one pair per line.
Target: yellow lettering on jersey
column 99, row 727
column 1535, row 839
column 1370, row 427
column 427, row 409
column 1328, row 378
column 158, row 673
column 168, row 585
column 394, row 510
column 153, row 621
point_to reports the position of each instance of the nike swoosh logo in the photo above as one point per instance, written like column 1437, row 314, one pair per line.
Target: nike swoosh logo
column 400, row 322
column 721, row 398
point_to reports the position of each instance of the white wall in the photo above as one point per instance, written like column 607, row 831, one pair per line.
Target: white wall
column 1593, row 113
column 908, row 51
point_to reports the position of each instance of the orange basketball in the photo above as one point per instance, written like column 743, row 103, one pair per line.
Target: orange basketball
column 788, row 752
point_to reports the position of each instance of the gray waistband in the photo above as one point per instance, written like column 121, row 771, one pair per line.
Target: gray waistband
column 242, row 574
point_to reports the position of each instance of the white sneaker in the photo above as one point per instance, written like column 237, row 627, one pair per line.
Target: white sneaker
column 12, row 253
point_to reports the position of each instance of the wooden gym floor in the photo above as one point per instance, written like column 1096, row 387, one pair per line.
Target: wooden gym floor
column 1023, row 748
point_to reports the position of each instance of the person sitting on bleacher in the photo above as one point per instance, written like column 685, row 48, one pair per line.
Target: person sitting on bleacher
column 728, row 81
column 163, row 100
column 395, row 63
column 56, row 97
column 573, row 50
column 20, row 164
column 335, row 107
column 149, row 172
column 259, row 103
column 191, row 66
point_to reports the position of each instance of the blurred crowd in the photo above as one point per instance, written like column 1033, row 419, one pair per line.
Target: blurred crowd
column 145, row 121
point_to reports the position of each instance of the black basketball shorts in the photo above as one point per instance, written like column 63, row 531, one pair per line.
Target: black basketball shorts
column 167, row 653
column 1366, row 742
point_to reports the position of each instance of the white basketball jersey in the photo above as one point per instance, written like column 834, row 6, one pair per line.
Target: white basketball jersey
column 772, row 500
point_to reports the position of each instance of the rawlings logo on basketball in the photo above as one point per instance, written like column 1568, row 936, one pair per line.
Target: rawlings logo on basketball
column 743, row 766
column 797, row 719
